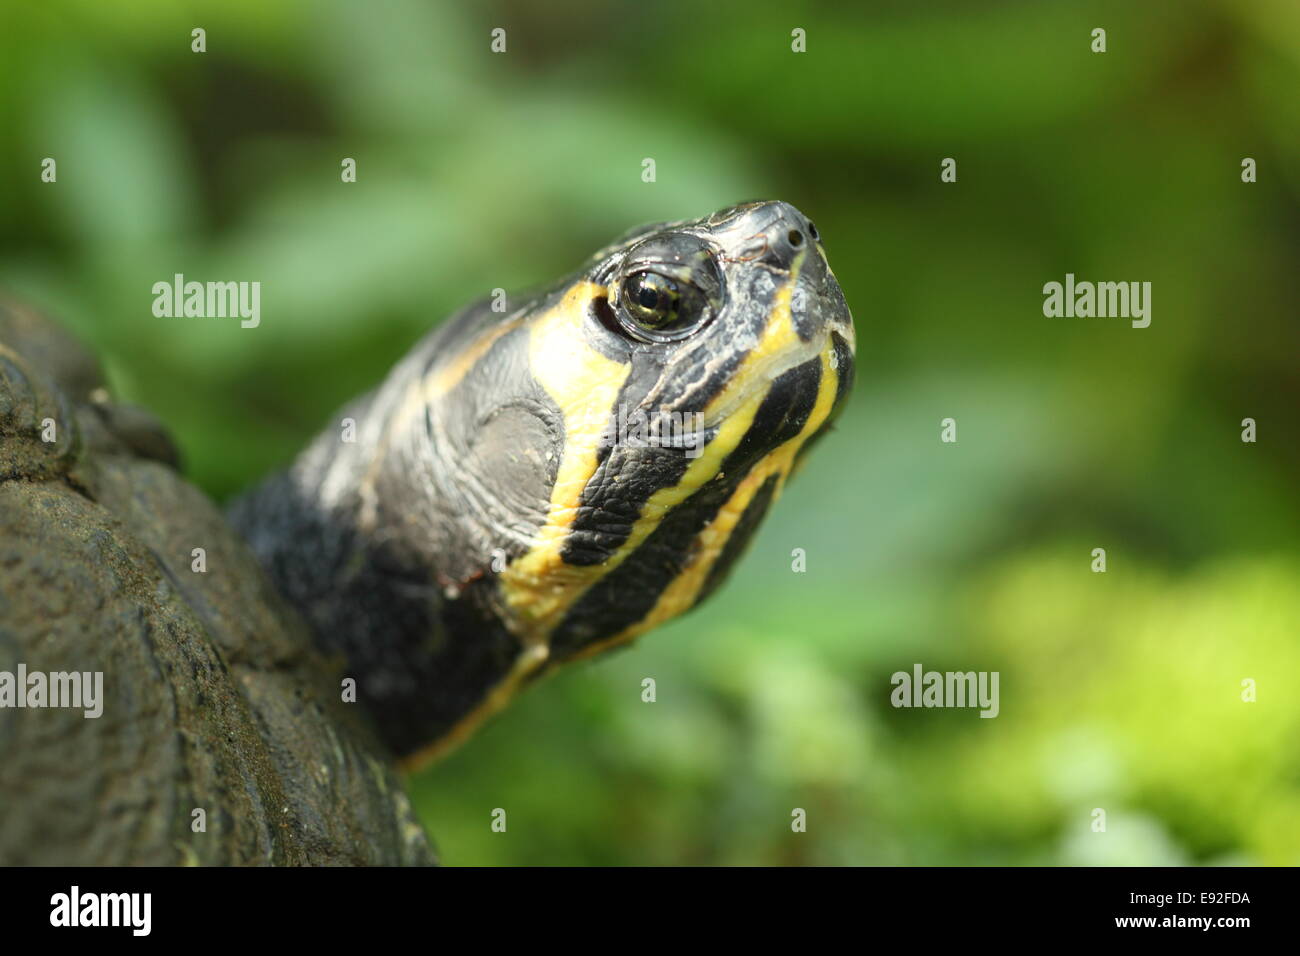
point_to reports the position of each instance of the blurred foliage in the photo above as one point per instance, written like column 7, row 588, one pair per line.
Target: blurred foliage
column 476, row 170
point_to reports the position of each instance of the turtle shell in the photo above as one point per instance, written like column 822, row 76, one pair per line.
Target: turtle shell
column 222, row 736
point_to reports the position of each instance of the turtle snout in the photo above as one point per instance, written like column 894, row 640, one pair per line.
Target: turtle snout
column 787, row 234
column 781, row 241
column 791, row 233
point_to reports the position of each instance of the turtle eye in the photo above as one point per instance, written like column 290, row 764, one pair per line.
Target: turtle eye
column 662, row 289
column 652, row 300
column 657, row 308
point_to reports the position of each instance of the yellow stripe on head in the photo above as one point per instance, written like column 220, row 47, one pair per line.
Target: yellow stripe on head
column 684, row 590
column 779, row 348
column 584, row 385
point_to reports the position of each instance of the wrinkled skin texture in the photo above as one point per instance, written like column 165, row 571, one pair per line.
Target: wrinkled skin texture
column 214, row 697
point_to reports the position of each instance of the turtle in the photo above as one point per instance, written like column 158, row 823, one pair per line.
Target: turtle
column 529, row 486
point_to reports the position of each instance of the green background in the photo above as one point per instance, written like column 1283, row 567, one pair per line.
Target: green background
column 1119, row 691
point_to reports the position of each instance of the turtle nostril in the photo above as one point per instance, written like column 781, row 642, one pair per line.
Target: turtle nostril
column 812, row 231
column 795, row 237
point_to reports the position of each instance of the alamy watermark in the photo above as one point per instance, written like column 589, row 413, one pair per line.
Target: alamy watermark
column 1103, row 300
column 130, row 910
column 661, row 429
column 70, row 689
column 946, row 689
column 208, row 300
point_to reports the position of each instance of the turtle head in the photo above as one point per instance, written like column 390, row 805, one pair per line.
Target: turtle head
column 690, row 363
column 536, row 484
